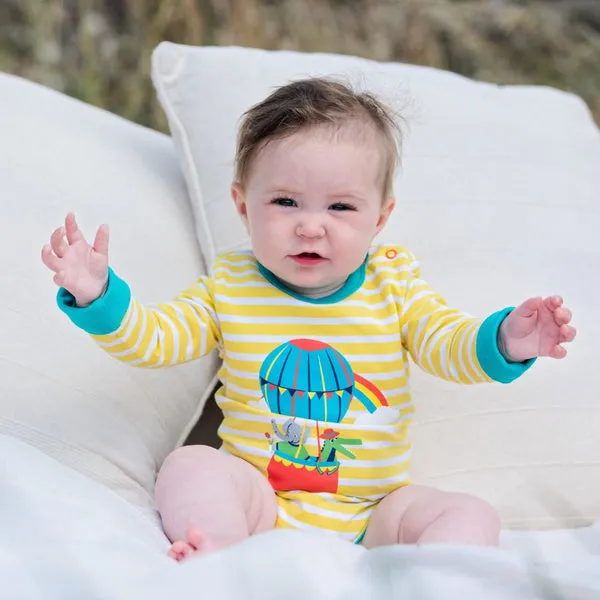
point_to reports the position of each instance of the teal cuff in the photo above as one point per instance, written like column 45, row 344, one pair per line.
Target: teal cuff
column 490, row 358
column 103, row 315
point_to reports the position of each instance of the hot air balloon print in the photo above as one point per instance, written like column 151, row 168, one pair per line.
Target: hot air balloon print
column 310, row 379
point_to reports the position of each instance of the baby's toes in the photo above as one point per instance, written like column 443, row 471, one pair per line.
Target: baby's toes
column 180, row 550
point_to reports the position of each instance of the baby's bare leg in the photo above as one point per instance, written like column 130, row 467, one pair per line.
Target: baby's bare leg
column 209, row 500
column 421, row 515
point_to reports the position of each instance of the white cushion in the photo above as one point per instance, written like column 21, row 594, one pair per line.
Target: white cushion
column 58, row 390
column 499, row 197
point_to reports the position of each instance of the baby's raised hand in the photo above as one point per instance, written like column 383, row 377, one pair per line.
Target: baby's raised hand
column 80, row 268
column 538, row 327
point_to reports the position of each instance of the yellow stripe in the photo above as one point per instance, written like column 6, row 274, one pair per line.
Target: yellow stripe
column 297, row 513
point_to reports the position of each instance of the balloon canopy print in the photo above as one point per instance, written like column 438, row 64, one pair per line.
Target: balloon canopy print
column 310, row 379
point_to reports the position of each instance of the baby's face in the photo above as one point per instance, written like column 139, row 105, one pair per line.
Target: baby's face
column 313, row 204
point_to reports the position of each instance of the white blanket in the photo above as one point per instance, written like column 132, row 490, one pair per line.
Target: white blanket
column 62, row 537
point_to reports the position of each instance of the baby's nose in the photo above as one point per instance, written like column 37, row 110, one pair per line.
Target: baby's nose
column 311, row 227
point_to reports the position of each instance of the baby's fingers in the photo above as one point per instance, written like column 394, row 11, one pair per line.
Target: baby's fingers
column 567, row 333
column 58, row 243
column 562, row 315
column 50, row 259
column 553, row 302
column 72, row 229
column 60, row 278
column 66, row 280
column 558, row 352
column 101, row 240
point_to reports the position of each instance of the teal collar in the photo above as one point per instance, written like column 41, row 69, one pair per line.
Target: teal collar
column 354, row 281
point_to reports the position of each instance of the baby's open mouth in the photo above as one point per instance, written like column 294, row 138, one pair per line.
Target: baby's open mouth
column 308, row 258
column 309, row 255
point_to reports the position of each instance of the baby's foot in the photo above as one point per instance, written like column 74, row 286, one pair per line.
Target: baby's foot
column 197, row 543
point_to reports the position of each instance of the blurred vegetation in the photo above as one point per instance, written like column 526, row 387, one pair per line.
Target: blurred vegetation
column 99, row 50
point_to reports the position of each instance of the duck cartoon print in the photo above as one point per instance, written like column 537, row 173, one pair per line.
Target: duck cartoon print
column 312, row 384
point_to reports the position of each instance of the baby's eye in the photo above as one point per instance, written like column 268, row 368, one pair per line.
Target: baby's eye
column 284, row 201
column 341, row 206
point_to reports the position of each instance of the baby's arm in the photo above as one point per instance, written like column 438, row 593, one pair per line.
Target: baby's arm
column 142, row 336
column 100, row 303
column 450, row 344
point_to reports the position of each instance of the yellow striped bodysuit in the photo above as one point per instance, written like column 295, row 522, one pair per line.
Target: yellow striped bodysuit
column 315, row 392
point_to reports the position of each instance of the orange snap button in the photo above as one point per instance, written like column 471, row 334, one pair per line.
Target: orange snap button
column 391, row 254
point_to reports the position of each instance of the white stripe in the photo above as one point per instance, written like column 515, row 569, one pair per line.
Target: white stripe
column 290, row 301
column 189, row 349
column 388, row 269
column 125, row 330
column 352, row 358
column 175, row 337
column 461, row 362
column 472, row 352
column 203, row 315
column 386, row 375
column 433, row 341
column 372, row 482
column 393, row 393
column 306, row 527
column 242, row 416
column 453, row 371
column 246, row 284
column 246, row 451
column 419, row 349
column 249, row 375
column 253, row 392
column 443, row 353
column 285, row 320
column 376, row 445
column 154, row 341
column 387, row 301
column 331, row 339
column 144, row 326
column 426, row 343
column 347, row 499
column 119, row 331
column 369, row 465
column 416, row 297
column 203, row 311
column 225, row 261
column 236, row 274
column 392, row 269
column 175, row 333
column 161, row 341
column 332, row 514
column 128, row 334
column 379, row 289
column 258, row 301
column 242, row 433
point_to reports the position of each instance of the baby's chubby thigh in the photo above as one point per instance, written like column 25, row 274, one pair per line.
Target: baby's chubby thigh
column 211, row 489
column 420, row 515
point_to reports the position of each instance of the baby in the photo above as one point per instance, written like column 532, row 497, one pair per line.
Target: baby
column 315, row 324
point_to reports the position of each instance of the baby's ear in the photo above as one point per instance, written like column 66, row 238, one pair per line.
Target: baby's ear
column 239, row 199
column 386, row 210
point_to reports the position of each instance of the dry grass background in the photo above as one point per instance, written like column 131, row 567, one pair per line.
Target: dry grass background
column 99, row 50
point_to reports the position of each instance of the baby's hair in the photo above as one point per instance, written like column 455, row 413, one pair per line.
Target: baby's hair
column 313, row 102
